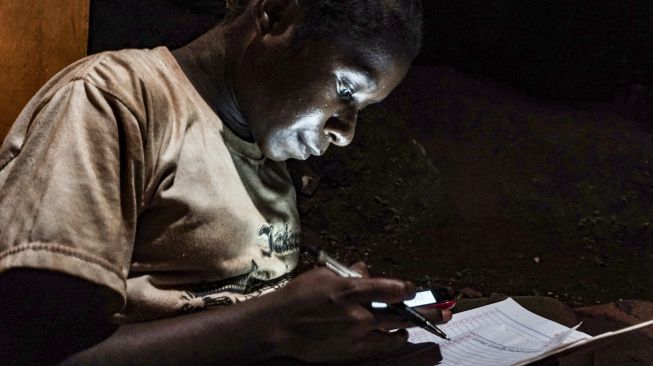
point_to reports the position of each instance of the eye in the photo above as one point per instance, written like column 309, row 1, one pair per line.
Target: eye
column 345, row 91
column 347, row 95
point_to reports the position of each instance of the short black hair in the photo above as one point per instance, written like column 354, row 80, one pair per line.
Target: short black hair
column 393, row 26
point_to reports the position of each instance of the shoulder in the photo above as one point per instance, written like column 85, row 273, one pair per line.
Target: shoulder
column 133, row 77
column 138, row 78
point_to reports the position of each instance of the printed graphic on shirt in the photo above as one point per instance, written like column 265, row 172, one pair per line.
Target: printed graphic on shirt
column 231, row 290
column 281, row 240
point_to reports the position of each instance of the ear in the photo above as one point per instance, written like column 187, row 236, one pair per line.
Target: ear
column 276, row 17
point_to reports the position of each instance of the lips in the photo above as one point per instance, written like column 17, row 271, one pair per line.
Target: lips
column 308, row 147
column 304, row 152
column 313, row 150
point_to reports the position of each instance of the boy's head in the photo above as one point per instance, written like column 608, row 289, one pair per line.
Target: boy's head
column 309, row 67
column 387, row 25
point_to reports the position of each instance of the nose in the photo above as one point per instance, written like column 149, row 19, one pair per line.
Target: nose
column 340, row 129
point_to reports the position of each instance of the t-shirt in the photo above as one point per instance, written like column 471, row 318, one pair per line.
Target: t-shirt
column 119, row 173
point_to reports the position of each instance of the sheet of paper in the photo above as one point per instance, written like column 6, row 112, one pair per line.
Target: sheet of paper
column 584, row 341
column 498, row 334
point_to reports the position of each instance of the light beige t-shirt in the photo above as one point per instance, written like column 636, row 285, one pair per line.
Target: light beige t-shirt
column 118, row 172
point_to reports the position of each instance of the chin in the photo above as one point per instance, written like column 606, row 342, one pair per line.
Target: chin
column 275, row 155
column 277, row 158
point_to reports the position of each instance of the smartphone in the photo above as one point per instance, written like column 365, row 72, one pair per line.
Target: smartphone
column 435, row 298
column 439, row 298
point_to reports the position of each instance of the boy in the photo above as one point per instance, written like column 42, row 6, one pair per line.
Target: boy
column 139, row 187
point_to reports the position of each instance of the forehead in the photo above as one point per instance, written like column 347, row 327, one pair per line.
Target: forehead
column 373, row 65
column 383, row 70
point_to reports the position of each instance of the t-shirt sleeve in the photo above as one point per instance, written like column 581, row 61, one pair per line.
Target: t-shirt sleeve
column 71, row 192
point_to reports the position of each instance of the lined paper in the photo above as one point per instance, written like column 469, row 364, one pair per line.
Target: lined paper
column 503, row 333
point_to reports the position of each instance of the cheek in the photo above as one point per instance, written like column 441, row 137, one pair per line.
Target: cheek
column 306, row 125
column 310, row 120
column 286, row 140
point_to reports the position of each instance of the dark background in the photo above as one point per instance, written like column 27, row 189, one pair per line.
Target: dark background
column 565, row 49
column 514, row 158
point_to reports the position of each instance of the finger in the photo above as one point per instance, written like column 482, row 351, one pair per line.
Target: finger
column 446, row 316
column 361, row 268
column 381, row 342
column 412, row 285
column 389, row 320
column 367, row 290
column 386, row 318
column 421, row 354
column 434, row 315
column 393, row 321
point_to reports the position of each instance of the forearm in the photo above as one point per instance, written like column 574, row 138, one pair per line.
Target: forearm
column 236, row 334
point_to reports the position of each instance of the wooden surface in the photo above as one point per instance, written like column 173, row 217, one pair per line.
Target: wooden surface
column 37, row 39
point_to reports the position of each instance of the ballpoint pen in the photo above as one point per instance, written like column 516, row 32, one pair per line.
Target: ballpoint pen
column 340, row 269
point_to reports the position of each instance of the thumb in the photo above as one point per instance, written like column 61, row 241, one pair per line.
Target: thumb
column 361, row 268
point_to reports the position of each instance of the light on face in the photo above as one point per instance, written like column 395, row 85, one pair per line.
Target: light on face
column 359, row 82
column 309, row 119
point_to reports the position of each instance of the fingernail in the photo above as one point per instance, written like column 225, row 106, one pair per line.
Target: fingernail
column 446, row 315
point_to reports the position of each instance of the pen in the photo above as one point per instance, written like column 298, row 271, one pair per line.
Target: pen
column 413, row 315
column 418, row 319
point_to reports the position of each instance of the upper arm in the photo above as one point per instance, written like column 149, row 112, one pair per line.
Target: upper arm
column 47, row 316
column 70, row 197
column 69, row 201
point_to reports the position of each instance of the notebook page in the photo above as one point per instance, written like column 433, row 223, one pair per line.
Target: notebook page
column 498, row 334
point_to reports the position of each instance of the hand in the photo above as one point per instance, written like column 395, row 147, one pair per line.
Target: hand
column 320, row 316
column 420, row 354
column 436, row 316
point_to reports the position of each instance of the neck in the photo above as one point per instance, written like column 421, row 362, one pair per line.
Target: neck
column 207, row 65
